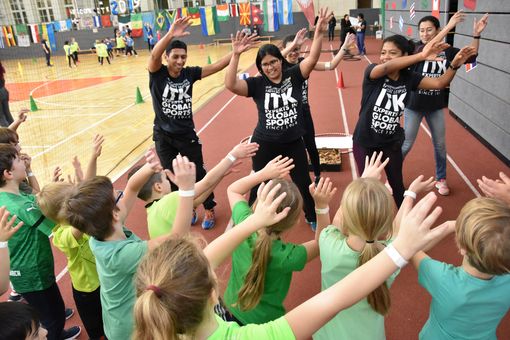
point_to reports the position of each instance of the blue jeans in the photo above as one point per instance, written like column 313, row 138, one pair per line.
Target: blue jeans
column 360, row 36
column 435, row 121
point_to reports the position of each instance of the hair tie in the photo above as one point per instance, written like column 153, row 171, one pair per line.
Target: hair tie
column 155, row 289
column 369, row 241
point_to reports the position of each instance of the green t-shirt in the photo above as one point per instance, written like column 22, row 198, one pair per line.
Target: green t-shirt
column 101, row 50
column 278, row 329
column 81, row 263
column 285, row 259
column 67, row 49
column 360, row 321
column 120, row 42
column 32, row 267
column 74, row 47
column 161, row 214
column 117, row 262
column 462, row 306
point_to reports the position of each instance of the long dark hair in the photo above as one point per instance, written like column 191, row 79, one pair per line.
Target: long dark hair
column 403, row 44
column 267, row 49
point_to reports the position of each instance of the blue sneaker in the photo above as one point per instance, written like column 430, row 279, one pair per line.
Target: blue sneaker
column 209, row 219
column 71, row 333
column 312, row 224
column 194, row 217
column 69, row 313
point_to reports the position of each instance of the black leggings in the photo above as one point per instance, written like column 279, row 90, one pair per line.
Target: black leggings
column 51, row 309
column 309, row 139
column 167, row 148
column 300, row 176
column 89, row 308
column 393, row 169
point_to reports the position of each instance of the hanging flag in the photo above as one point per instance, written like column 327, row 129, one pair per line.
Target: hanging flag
column 256, row 14
column 470, row 4
column 271, row 21
column 435, row 8
column 106, row 20
column 307, row 9
column 97, row 20
column 160, row 22
column 51, row 36
column 34, row 33
column 23, row 40
column 207, row 21
column 409, row 31
column 285, row 12
column 393, row 5
column 401, row 23
column 182, row 12
column 2, row 44
column 136, row 25
column 63, row 25
column 234, row 12
column 223, row 12
column 391, row 23
column 404, row 4
column 56, row 26
column 194, row 13
column 244, row 14
column 69, row 24
column 412, row 12
column 9, row 35
column 215, row 20
column 172, row 15
column 471, row 66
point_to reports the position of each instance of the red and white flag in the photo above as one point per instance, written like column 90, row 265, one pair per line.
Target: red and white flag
column 308, row 10
column 435, row 8
column 233, row 10
column 412, row 12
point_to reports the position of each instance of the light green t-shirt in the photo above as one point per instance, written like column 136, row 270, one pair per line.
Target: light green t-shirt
column 463, row 306
column 32, row 267
column 360, row 321
column 81, row 263
column 102, row 50
column 117, row 262
column 67, row 49
column 278, row 329
column 161, row 214
column 74, row 47
column 120, row 42
column 285, row 259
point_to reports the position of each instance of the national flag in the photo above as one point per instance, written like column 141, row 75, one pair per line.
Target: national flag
column 271, row 21
column 172, row 15
column 393, row 5
column 23, row 40
column 401, row 23
column 404, row 4
column 51, row 36
column 2, row 44
column 256, row 14
column 222, row 12
column 435, row 8
column 244, row 13
column 97, row 20
column 470, row 4
column 182, row 12
column 207, row 21
column 9, row 35
column 148, row 18
column 63, row 25
column 160, row 22
column 136, row 25
column 194, row 13
column 285, row 12
column 56, row 26
column 69, row 24
column 34, row 33
column 215, row 20
column 409, row 31
column 106, row 21
column 308, row 10
column 234, row 12
column 471, row 66
column 412, row 12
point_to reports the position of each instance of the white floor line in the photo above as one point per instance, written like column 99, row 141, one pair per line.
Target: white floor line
column 354, row 172
column 217, row 114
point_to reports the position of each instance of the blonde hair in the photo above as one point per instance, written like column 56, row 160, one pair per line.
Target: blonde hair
column 483, row 231
column 51, row 199
column 368, row 212
column 173, row 285
column 253, row 288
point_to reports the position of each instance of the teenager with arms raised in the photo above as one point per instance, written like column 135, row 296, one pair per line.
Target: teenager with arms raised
column 384, row 95
column 277, row 92
column 177, row 290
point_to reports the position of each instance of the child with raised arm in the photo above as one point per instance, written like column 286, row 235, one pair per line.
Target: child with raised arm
column 176, row 287
column 469, row 301
column 7, row 229
column 96, row 209
column 162, row 203
column 262, row 266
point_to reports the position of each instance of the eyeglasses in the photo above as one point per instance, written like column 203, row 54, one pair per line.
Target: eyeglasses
column 272, row 63
column 119, row 194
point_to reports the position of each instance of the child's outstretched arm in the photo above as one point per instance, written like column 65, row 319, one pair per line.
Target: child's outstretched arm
column 32, row 180
column 415, row 234
column 204, row 187
column 448, row 228
column 373, row 166
column 331, row 65
column 499, row 188
column 22, row 117
column 277, row 167
column 299, row 39
column 97, row 147
column 6, row 232
column 265, row 214
column 322, row 194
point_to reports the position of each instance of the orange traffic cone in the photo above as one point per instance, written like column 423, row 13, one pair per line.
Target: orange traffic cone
column 340, row 84
column 201, row 46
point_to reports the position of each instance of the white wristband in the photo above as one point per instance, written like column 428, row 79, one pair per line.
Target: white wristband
column 410, row 193
column 395, row 256
column 327, row 66
column 187, row 193
column 30, row 174
column 231, row 157
column 322, row 211
column 4, row 244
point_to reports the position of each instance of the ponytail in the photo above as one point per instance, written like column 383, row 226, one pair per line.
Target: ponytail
column 402, row 43
column 152, row 319
column 379, row 299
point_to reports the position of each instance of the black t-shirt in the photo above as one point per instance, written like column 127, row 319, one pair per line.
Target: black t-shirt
column 363, row 24
column 382, row 103
column 171, row 99
column 279, row 106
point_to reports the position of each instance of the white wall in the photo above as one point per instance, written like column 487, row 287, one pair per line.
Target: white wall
column 339, row 7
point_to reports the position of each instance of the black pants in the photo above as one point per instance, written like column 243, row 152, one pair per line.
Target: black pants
column 51, row 310
column 48, row 57
column 101, row 59
column 393, row 169
column 75, row 56
column 300, row 176
column 71, row 58
column 190, row 146
column 89, row 308
column 5, row 113
column 311, row 147
column 331, row 33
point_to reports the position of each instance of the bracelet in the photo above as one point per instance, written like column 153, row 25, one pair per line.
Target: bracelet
column 231, row 157
column 395, row 256
column 454, row 68
column 4, row 244
column 187, row 193
column 410, row 193
column 322, row 211
column 327, row 66
column 30, row 174
column 476, row 36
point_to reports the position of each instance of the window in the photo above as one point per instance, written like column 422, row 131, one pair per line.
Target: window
column 45, row 10
column 18, row 11
column 193, row 3
column 68, row 7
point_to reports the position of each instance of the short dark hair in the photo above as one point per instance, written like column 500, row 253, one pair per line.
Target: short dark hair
column 145, row 192
column 361, row 15
column 176, row 44
column 19, row 320
column 90, row 206
column 403, row 44
column 8, row 136
column 430, row 18
column 288, row 39
column 267, row 49
column 8, row 154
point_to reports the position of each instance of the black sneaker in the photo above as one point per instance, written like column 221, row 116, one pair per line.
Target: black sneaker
column 71, row 333
column 15, row 297
column 69, row 313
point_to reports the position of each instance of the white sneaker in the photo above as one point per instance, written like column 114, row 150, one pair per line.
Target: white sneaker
column 442, row 187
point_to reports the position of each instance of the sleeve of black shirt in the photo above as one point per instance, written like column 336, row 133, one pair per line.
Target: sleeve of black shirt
column 254, row 85
column 195, row 72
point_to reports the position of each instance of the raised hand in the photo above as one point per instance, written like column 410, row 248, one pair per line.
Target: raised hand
column 499, row 188
column 27, row 160
column 323, row 192
column 432, row 49
column 350, row 38
column 97, row 145
column 419, row 185
column 22, row 115
column 324, row 17
column 460, row 16
column 267, row 205
column 78, row 171
column 244, row 150
column 184, row 173
column 241, row 42
column 151, row 158
column 179, row 27
column 278, row 167
column 6, row 227
column 479, row 26
column 300, row 37
column 464, row 54
column 57, row 172
column 374, row 166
